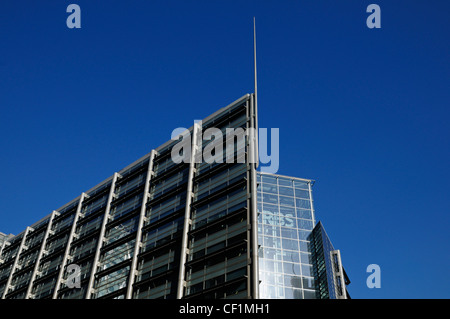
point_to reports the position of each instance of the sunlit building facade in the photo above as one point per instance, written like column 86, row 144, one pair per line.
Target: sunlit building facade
column 286, row 218
column 161, row 229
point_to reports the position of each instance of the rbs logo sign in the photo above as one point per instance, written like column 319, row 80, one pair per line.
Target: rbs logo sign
column 284, row 219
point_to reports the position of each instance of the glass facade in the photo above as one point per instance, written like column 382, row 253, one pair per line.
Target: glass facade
column 285, row 220
column 155, row 229
column 331, row 278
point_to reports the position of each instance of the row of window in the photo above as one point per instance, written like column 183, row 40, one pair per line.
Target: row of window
column 285, row 211
column 287, row 268
column 285, row 255
column 282, row 181
column 218, row 208
column 286, row 280
column 220, row 181
column 280, row 292
column 284, row 221
column 111, row 282
column 283, row 190
column 285, row 201
column 211, row 276
column 154, row 292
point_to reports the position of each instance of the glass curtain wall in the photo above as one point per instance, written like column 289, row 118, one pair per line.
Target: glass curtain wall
column 285, row 219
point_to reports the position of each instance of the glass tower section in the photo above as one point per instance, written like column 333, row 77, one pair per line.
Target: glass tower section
column 285, row 220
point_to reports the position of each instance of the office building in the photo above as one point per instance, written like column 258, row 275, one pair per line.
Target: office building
column 292, row 250
column 159, row 228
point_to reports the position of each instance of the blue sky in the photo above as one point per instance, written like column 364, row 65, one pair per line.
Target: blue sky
column 364, row 112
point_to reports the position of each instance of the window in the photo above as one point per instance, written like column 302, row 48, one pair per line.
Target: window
column 291, row 269
column 290, row 244
column 302, row 193
column 112, row 282
column 305, row 214
column 303, row 203
column 288, row 233
column 286, row 191
column 284, row 181
column 301, row 184
column 122, row 230
column 271, row 199
column 305, row 224
column 291, row 256
column 309, row 294
column 269, row 179
column 303, row 234
column 270, row 209
column 287, row 201
column 307, row 270
column 269, row 188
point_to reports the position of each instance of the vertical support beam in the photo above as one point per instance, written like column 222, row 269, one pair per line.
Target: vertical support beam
column 101, row 238
column 41, row 251
column 254, row 203
column 69, row 242
column 187, row 211
column 312, row 204
column 137, row 245
column 16, row 260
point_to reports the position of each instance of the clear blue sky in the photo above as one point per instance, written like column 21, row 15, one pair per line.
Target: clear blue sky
column 364, row 112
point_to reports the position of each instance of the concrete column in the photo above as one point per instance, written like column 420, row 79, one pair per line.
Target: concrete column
column 69, row 242
column 187, row 213
column 137, row 245
column 101, row 238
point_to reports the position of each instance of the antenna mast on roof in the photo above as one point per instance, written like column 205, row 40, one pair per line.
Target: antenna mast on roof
column 254, row 59
column 254, row 166
column 256, row 155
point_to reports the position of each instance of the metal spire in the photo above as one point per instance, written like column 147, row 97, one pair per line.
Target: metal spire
column 254, row 59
